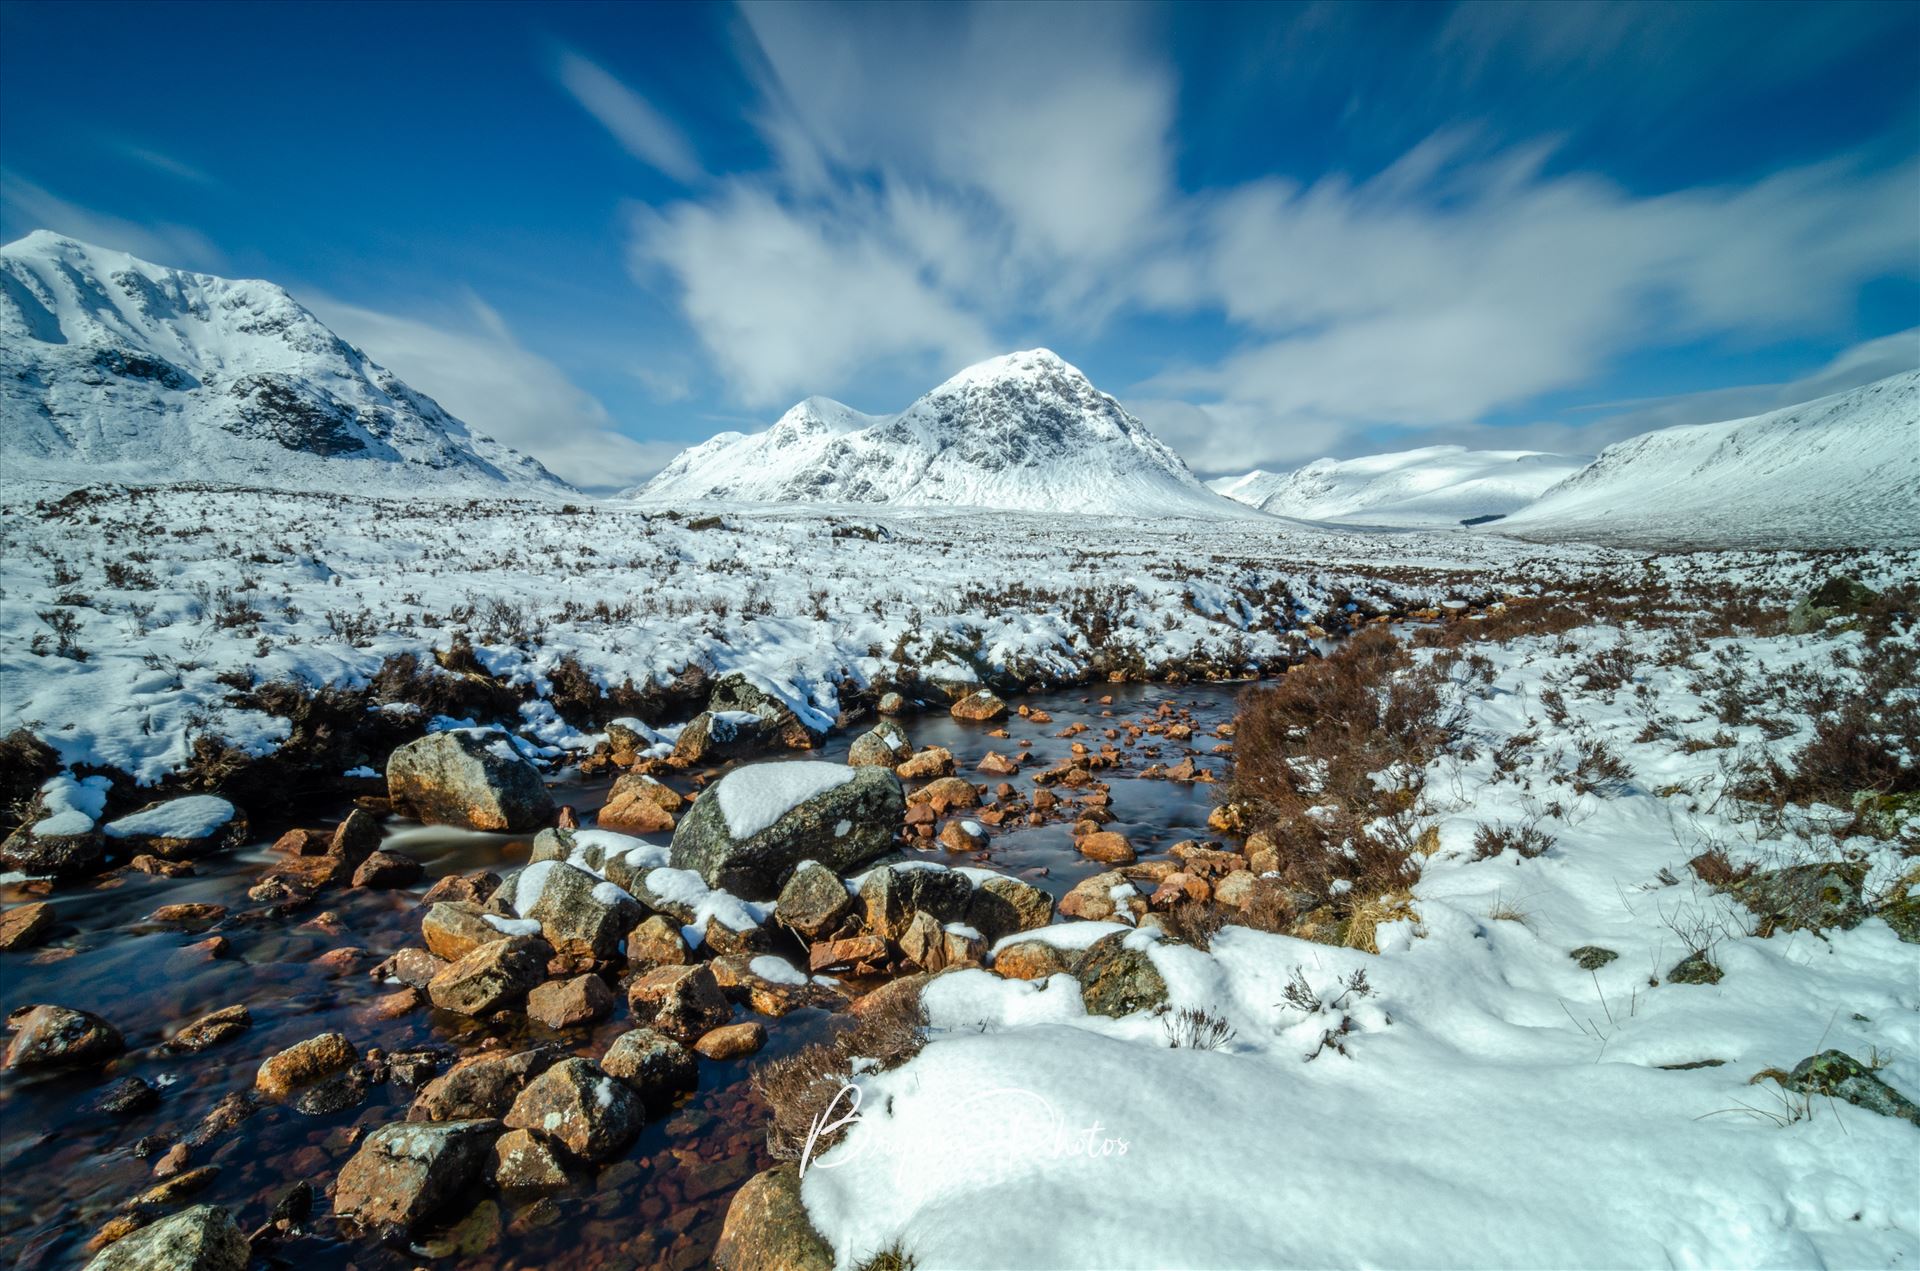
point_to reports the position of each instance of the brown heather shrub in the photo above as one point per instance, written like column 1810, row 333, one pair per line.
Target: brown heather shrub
column 1305, row 750
column 801, row 1087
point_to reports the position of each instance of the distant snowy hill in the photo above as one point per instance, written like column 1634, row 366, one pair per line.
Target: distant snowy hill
column 1843, row 471
column 1433, row 486
column 115, row 369
column 1023, row 431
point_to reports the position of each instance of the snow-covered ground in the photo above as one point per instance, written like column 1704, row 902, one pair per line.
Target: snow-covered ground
column 1485, row 1101
column 171, row 599
column 1840, row 471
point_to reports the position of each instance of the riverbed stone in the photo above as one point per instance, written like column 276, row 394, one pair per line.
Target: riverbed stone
column 740, row 691
column 381, row 870
column 814, row 901
column 767, row 1228
column 48, row 1036
column 493, row 977
column 212, row 1029
column 455, row 928
column 934, row 761
column 1103, row 897
column 732, row 1041
column 1003, row 905
column 412, row 966
column 889, row 896
column 1032, row 960
column 468, row 778
column 54, row 855
column 304, row 1063
column 575, row 1104
column 355, row 838
column 656, row 1066
column 572, row 1003
column 638, row 804
column 524, row 1163
column 685, row 1002
column 979, row 706
column 408, row 1171
column 1106, row 847
column 481, row 1086
column 656, row 941
column 24, row 926
column 882, row 747
column 201, row 1238
column 842, row 826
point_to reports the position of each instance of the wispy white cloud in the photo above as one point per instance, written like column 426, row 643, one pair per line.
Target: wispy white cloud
column 469, row 360
column 165, row 163
column 26, row 206
column 647, row 135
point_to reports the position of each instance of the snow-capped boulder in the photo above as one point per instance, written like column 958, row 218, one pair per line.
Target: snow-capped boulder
column 177, row 829
column 755, row 824
column 578, row 911
column 716, row 736
column 470, row 778
column 787, row 721
column 60, row 837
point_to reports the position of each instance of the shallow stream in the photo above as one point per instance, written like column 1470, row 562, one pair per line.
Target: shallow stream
column 69, row 1169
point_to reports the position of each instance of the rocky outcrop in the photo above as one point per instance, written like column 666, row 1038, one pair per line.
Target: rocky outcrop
column 1838, row 1075
column 406, row 1172
column 1806, row 897
column 747, row 832
column 468, row 778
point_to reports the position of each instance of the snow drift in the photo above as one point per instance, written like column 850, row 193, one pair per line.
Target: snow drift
column 112, row 368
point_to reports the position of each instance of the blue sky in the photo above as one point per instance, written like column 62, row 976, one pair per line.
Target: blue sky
column 1276, row 232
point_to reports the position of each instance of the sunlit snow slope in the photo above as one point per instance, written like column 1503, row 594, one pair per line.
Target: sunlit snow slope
column 1432, row 486
column 112, row 368
column 1843, row 471
column 1023, row 431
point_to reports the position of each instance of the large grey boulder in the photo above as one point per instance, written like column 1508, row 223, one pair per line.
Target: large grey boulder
column 747, row 832
column 203, row 1238
column 578, row 912
column 407, row 1171
column 468, row 778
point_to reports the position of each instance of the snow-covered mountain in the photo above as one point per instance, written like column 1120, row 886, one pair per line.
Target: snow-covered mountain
column 1843, row 471
column 115, row 369
column 1023, row 431
column 1432, row 486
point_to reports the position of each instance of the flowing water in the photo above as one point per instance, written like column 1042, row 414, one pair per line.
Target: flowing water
column 68, row 1168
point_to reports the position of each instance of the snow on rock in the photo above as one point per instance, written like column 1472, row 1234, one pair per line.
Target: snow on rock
column 195, row 817
column 115, row 369
column 1435, row 486
column 71, row 806
column 1843, row 471
column 753, row 798
column 1025, row 430
column 777, row 970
